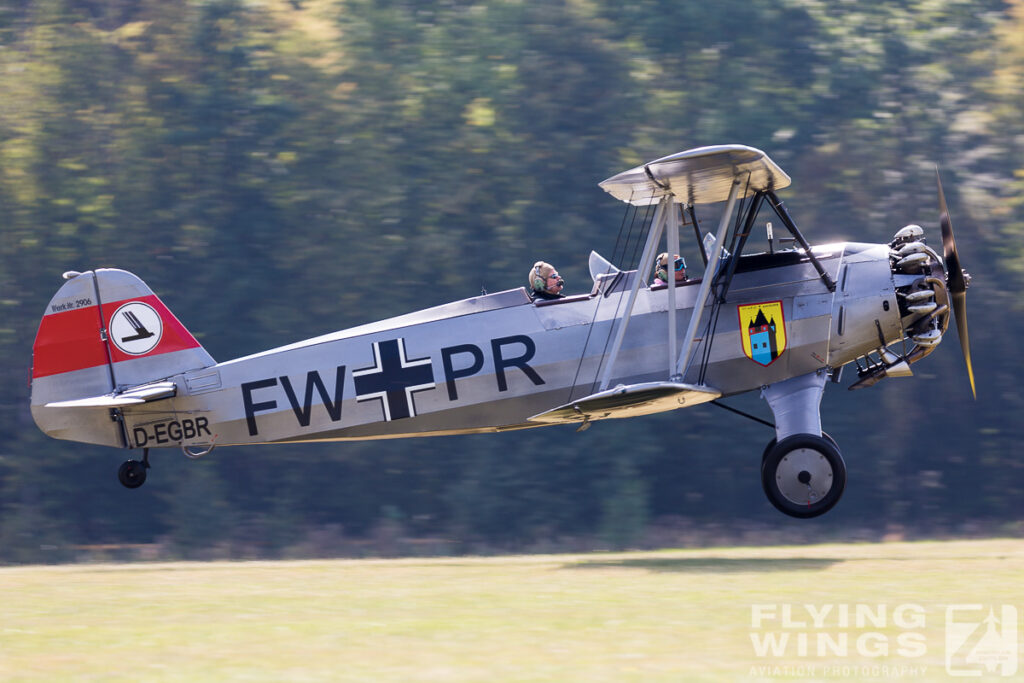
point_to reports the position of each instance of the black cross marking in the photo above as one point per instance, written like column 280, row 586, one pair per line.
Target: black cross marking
column 393, row 379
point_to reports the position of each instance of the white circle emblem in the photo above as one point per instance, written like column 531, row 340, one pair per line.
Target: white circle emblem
column 136, row 328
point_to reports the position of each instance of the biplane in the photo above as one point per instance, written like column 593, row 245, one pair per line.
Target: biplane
column 113, row 366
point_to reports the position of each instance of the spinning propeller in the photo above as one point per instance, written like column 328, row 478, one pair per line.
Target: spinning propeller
column 956, row 280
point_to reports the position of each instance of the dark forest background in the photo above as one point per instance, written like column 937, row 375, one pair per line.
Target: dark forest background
column 278, row 170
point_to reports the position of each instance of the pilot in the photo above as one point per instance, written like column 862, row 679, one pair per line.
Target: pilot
column 661, row 267
column 545, row 282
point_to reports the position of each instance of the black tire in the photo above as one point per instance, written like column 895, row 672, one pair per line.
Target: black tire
column 132, row 474
column 804, row 475
column 771, row 445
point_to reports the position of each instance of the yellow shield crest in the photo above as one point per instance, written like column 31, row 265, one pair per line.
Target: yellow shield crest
column 763, row 331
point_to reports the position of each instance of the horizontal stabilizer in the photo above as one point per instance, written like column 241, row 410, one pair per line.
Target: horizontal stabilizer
column 133, row 396
column 629, row 401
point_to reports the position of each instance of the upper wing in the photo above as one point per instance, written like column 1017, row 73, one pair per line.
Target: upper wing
column 698, row 176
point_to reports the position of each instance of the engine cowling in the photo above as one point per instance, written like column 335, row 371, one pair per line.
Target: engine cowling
column 920, row 279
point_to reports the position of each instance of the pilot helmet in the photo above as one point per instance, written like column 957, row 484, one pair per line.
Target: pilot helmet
column 661, row 265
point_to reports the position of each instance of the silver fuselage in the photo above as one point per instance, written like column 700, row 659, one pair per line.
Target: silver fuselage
column 491, row 362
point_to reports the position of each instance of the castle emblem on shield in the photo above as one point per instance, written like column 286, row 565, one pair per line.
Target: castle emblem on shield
column 763, row 331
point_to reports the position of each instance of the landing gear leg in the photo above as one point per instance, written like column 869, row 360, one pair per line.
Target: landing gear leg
column 802, row 470
column 132, row 473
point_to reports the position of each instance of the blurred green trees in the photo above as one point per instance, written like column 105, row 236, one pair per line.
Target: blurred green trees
column 278, row 170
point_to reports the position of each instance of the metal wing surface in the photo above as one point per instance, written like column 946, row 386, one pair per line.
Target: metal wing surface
column 629, row 401
column 698, row 176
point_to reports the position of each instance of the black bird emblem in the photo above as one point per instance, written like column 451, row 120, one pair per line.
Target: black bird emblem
column 140, row 330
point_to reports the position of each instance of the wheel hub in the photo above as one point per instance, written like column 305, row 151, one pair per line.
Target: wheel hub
column 804, row 476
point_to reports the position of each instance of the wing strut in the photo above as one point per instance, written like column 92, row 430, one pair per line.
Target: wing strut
column 646, row 261
column 705, row 285
column 780, row 210
column 672, row 247
column 696, row 232
column 666, row 217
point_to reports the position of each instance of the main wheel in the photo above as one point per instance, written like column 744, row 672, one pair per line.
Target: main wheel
column 132, row 474
column 803, row 475
column 771, row 445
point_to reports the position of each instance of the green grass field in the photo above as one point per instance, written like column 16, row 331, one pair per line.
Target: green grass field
column 676, row 615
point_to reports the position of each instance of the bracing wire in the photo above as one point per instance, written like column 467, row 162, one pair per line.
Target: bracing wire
column 717, row 300
column 630, row 209
column 618, row 305
column 640, row 240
